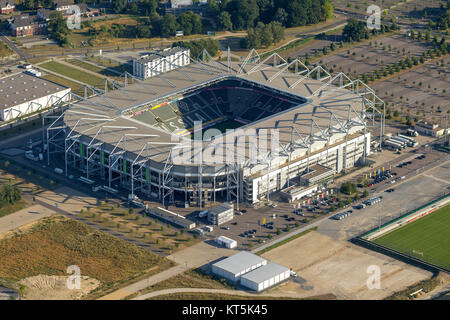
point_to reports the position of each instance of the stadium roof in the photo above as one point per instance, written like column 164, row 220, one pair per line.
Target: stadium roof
column 328, row 108
column 264, row 273
column 20, row 88
column 239, row 262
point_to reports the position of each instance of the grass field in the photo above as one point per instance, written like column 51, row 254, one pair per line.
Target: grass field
column 91, row 67
column 227, row 125
column 52, row 245
column 65, row 82
column 426, row 239
column 73, row 73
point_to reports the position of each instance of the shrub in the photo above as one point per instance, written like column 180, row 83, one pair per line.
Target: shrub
column 348, row 188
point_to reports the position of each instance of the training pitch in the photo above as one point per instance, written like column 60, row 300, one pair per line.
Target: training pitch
column 426, row 239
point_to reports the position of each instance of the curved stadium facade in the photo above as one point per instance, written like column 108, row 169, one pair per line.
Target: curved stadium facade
column 212, row 131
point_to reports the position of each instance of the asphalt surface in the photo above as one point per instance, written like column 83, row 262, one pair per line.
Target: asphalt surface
column 20, row 53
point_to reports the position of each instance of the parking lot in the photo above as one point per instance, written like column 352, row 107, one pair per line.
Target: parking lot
column 256, row 226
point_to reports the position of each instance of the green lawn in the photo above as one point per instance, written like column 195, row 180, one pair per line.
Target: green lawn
column 73, row 73
column 427, row 238
column 227, row 124
column 63, row 81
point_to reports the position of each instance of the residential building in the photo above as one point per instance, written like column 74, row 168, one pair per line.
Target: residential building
column 25, row 25
column 7, row 6
column 160, row 62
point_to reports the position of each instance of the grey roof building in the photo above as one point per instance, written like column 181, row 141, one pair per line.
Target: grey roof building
column 23, row 93
column 232, row 268
column 265, row 277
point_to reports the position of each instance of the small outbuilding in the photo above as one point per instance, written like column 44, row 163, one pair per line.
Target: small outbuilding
column 226, row 242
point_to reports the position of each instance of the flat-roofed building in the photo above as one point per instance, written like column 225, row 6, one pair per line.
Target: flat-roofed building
column 159, row 62
column 172, row 217
column 226, row 242
column 430, row 129
column 265, row 277
column 294, row 193
column 317, row 175
column 221, row 214
column 232, row 268
column 21, row 94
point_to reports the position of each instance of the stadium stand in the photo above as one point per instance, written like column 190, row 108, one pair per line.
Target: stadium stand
column 226, row 100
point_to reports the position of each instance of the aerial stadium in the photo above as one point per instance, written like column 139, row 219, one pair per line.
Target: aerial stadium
column 213, row 131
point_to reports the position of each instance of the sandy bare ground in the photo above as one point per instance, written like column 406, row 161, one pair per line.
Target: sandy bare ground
column 325, row 265
column 67, row 199
column 192, row 257
column 44, row 287
column 21, row 220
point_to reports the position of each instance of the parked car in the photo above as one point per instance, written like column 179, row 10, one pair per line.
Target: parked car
column 390, row 190
column 226, row 228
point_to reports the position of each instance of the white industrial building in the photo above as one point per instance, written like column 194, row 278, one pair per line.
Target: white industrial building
column 226, row 242
column 160, row 62
column 232, row 268
column 21, row 94
column 265, row 276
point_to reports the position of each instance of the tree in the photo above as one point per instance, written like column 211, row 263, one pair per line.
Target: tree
column 355, row 31
column 281, row 16
column 365, row 193
column 169, row 25
column 10, row 194
column 244, row 13
column 119, row 6
column 265, row 34
column 190, row 23
column 224, row 21
column 348, row 188
column 277, row 30
column 252, row 40
column 57, row 27
column 212, row 8
column 329, row 9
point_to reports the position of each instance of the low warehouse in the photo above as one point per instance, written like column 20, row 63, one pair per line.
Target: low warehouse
column 232, row 268
column 21, row 94
column 265, row 277
column 171, row 217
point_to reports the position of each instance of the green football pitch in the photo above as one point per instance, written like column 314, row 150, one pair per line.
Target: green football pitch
column 227, row 124
column 427, row 239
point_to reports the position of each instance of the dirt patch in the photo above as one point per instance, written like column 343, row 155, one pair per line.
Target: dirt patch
column 55, row 243
column 44, row 287
column 325, row 265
